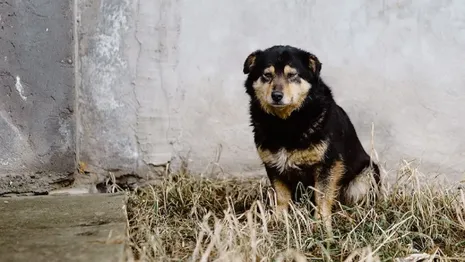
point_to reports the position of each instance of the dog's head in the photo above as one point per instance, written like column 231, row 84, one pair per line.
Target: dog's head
column 281, row 77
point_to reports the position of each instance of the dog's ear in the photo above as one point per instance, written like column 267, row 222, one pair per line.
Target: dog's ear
column 311, row 61
column 250, row 61
column 314, row 64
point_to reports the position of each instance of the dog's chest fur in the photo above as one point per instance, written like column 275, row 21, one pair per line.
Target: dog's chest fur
column 288, row 159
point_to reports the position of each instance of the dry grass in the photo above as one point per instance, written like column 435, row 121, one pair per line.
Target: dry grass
column 191, row 219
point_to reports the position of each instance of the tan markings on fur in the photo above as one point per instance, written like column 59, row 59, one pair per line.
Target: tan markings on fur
column 310, row 156
column 269, row 70
column 277, row 160
column 284, row 112
column 294, row 93
column 328, row 191
column 283, row 195
column 288, row 69
column 284, row 159
column 358, row 189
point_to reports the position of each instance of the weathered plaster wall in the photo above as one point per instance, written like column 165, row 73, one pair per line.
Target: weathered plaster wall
column 123, row 105
column 37, row 140
column 106, row 102
column 162, row 79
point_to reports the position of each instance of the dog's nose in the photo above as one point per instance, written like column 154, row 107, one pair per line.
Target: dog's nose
column 277, row 96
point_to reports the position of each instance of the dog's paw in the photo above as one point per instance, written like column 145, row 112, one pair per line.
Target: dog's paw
column 291, row 255
column 280, row 212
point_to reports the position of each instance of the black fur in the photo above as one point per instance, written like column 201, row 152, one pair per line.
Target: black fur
column 302, row 128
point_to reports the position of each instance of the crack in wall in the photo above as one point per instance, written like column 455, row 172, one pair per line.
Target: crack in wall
column 139, row 52
column 77, row 81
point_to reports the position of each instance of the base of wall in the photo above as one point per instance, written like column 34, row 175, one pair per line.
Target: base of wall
column 37, row 183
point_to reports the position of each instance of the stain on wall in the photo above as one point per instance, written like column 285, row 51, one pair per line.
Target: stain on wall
column 37, row 139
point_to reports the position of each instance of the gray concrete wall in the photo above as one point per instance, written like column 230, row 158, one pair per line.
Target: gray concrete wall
column 107, row 108
column 37, row 140
column 162, row 79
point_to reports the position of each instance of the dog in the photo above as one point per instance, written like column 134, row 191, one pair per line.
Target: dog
column 302, row 135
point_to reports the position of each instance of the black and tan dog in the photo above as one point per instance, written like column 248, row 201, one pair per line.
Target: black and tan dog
column 302, row 135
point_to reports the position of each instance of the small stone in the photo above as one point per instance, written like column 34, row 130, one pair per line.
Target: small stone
column 10, row 195
column 70, row 191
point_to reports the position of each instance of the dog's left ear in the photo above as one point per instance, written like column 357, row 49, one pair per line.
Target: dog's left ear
column 314, row 64
column 250, row 61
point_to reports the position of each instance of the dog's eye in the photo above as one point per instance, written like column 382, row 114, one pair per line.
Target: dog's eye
column 291, row 75
column 268, row 75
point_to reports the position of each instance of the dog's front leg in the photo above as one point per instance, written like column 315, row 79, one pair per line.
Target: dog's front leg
column 324, row 201
column 281, row 188
column 327, row 188
column 283, row 195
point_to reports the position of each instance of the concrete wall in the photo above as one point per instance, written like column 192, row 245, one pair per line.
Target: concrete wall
column 107, row 108
column 37, row 140
column 166, row 77
column 161, row 80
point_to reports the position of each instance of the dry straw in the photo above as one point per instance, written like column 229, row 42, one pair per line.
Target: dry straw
column 187, row 218
column 195, row 218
